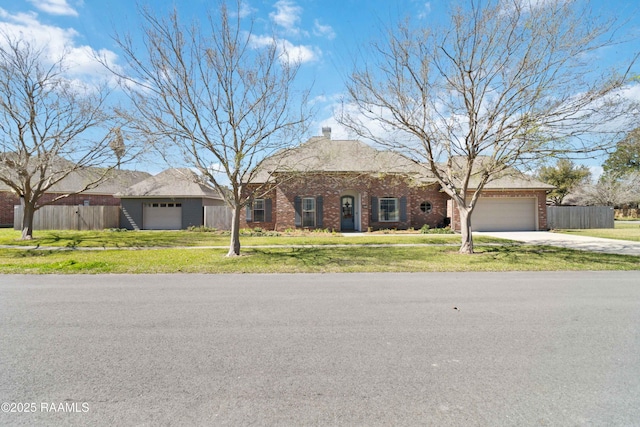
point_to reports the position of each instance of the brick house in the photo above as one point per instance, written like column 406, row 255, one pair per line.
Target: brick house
column 346, row 185
column 101, row 195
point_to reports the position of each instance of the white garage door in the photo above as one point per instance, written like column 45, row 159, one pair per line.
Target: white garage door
column 162, row 216
column 509, row 214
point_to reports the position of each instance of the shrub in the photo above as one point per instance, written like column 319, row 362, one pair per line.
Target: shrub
column 445, row 230
column 202, row 228
column 321, row 230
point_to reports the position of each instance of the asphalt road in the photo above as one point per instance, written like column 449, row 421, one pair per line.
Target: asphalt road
column 498, row 349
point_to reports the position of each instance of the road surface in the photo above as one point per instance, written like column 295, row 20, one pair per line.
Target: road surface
column 446, row 349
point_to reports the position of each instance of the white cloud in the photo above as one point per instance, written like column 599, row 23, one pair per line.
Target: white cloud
column 323, row 30
column 293, row 53
column 426, row 10
column 287, row 15
column 58, row 43
column 299, row 53
column 54, row 7
column 54, row 40
column 245, row 10
column 596, row 172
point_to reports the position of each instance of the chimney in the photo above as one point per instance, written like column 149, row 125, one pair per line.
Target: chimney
column 326, row 132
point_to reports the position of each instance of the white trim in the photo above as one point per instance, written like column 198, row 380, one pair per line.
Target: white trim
column 396, row 211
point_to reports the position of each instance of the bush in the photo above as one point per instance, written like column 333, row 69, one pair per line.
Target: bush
column 202, row 228
column 425, row 229
column 445, row 230
column 258, row 232
column 322, row 230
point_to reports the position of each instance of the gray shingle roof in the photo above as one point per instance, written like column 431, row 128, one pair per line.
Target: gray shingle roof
column 177, row 182
column 321, row 154
column 116, row 180
column 510, row 178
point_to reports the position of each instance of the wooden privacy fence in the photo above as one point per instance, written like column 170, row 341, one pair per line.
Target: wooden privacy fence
column 56, row 217
column 218, row 217
column 579, row 217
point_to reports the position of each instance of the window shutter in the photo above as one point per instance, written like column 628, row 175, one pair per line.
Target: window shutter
column 267, row 210
column 319, row 211
column 403, row 209
column 374, row 209
column 297, row 206
column 249, row 210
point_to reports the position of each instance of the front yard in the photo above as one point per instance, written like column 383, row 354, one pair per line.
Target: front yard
column 202, row 252
column 172, row 239
column 622, row 231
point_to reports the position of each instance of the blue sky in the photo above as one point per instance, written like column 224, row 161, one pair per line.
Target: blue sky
column 325, row 33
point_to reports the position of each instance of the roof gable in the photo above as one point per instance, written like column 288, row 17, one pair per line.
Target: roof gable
column 324, row 155
column 510, row 178
column 177, row 182
column 321, row 154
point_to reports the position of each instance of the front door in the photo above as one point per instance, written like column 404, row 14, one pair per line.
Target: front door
column 347, row 220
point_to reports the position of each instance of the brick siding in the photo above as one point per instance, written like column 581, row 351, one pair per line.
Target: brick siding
column 331, row 187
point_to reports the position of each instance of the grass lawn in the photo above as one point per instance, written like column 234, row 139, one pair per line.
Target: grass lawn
column 182, row 251
column 621, row 232
column 169, row 239
column 310, row 259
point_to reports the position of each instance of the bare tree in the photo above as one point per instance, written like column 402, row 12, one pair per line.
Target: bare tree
column 507, row 82
column 211, row 92
column 610, row 190
column 50, row 127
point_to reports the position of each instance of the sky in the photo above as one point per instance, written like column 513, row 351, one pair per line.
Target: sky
column 324, row 33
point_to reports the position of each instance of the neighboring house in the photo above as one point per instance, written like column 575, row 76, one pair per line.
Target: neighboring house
column 347, row 185
column 171, row 200
column 100, row 195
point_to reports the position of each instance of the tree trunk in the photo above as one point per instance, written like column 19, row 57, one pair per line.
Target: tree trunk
column 27, row 221
column 234, row 246
column 465, row 230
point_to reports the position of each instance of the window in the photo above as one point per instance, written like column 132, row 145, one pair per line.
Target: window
column 162, row 205
column 258, row 210
column 389, row 209
column 426, row 207
column 308, row 212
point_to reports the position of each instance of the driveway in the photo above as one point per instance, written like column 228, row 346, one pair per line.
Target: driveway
column 583, row 243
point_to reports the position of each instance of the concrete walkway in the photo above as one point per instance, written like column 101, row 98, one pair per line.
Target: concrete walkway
column 583, row 243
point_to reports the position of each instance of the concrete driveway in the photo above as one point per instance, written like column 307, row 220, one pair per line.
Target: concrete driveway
column 583, row 243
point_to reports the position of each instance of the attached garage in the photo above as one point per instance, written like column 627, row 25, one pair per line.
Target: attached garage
column 505, row 214
column 172, row 200
column 162, row 216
